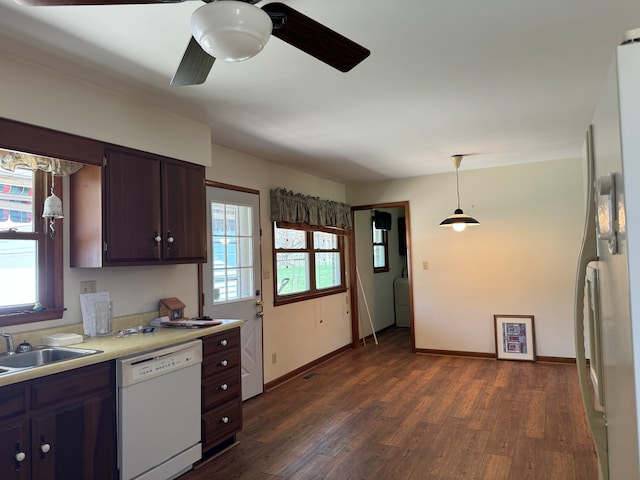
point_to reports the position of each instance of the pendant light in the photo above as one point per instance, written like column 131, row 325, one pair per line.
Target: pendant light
column 52, row 208
column 459, row 221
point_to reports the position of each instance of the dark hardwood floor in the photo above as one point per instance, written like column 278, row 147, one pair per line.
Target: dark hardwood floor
column 381, row 412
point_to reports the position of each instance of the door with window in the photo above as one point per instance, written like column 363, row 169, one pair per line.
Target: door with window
column 231, row 283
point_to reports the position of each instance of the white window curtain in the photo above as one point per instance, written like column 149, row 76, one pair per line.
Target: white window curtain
column 287, row 206
column 9, row 160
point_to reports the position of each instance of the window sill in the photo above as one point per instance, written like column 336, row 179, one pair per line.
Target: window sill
column 30, row 316
column 301, row 298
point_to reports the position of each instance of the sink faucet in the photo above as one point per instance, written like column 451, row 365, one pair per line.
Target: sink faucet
column 9, row 339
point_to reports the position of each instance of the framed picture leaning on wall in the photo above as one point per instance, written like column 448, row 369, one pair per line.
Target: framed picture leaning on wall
column 515, row 337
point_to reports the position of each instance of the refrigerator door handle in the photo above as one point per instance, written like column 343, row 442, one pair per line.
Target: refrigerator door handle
column 589, row 253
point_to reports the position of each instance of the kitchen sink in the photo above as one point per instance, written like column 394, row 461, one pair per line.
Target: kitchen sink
column 40, row 356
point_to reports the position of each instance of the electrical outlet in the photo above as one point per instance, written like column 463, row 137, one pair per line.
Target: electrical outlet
column 88, row 286
column 425, row 265
column 274, row 358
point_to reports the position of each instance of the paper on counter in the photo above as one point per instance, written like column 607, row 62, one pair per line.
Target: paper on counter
column 96, row 313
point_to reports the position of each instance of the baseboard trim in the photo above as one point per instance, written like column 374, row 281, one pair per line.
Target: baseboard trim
column 457, row 353
column 305, row 368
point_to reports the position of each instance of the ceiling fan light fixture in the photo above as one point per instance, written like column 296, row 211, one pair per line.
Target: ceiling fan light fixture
column 231, row 30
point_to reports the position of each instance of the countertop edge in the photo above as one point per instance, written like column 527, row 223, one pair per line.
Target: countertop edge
column 113, row 347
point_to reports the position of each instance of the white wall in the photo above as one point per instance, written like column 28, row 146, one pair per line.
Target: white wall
column 520, row 260
column 301, row 332
column 44, row 97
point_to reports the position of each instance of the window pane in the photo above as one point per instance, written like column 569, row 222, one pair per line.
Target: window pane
column 325, row 241
column 217, row 219
column 378, row 256
column 290, row 239
column 377, row 235
column 232, row 248
column 292, row 274
column 327, row 270
column 18, row 262
column 16, row 200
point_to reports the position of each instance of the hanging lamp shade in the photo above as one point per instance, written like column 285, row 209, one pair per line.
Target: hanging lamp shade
column 231, row 30
column 459, row 220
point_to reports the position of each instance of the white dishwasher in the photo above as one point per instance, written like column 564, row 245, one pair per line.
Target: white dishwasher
column 159, row 412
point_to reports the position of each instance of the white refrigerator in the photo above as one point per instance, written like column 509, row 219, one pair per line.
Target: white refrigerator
column 607, row 313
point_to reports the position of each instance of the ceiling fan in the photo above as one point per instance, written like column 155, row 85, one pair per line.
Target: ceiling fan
column 235, row 30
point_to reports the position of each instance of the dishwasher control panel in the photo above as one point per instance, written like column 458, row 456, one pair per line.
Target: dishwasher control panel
column 152, row 364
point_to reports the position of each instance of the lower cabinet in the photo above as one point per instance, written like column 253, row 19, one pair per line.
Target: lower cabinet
column 221, row 390
column 60, row 427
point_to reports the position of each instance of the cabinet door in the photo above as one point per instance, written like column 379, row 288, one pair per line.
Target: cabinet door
column 132, row 208
column 76, row 442
column 183, row 204
column 14, row 452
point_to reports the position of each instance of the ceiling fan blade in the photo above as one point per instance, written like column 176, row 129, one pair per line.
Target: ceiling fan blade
column 314, row 38
column 51, row 3
column 194, row 66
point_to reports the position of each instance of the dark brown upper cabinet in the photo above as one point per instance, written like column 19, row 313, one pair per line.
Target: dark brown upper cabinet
column 137, row 209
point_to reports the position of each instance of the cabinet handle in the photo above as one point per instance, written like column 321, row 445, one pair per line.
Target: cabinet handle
column 44, row 447
column 224, row 419
column 224, row 386
column 224, row 363
column 20, row 456
column 223, row 342
column 169, row 237
column 157, row 238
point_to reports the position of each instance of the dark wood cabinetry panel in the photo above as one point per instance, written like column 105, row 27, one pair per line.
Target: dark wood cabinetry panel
column 138, row 209
column 132, row 207
column 23, row 137
column 60, row 426
column 221, row 389
column 183, row 207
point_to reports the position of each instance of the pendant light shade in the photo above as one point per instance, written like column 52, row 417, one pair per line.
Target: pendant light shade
column 231, row 30
column 459, row 220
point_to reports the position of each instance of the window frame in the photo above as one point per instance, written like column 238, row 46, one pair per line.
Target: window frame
column 384, row 244
column 313, row 292
column 49, row 253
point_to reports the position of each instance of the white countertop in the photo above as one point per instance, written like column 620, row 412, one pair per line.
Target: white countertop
column 115, row 347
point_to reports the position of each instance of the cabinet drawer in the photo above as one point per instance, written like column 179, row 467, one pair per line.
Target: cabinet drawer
column 72, row 386
column 220, row 389
column 221, row 423
column 13, row 401
column 223, row 362
column 220, row 342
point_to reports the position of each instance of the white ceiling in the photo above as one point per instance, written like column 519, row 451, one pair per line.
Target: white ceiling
column 504, row 81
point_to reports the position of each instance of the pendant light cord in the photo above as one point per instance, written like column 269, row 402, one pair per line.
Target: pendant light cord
column 457, row 188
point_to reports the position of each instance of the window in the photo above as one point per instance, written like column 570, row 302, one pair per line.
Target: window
column 380, row 249
column 308, row 261
column 232, row 246
column 30, row 259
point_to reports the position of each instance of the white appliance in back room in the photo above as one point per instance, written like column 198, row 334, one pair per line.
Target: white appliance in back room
column 608, row 280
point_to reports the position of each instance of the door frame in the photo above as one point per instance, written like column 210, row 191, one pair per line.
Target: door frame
column 353, row 290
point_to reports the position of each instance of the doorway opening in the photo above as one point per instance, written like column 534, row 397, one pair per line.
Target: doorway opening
column 380, row 270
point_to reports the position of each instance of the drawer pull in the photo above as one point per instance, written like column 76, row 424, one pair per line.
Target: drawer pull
column 224, row 342
column 224, row 419
column 224, row 363
column 224, row 386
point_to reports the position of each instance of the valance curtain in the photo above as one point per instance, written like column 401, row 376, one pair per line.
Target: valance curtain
column 292, row 207
column 10, row 160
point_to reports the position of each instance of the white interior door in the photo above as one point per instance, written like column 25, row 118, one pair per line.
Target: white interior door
column 231, row 282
